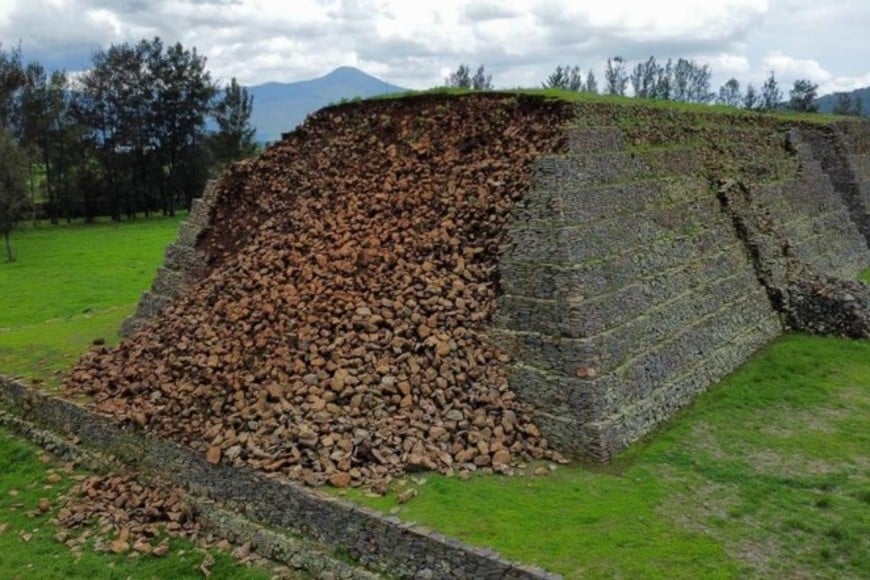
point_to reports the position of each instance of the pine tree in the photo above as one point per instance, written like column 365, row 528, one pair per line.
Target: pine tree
column 13, row 189
column 615, row 76
column 729, row 94
column 802, row 97
column 232, row 113
column 771, row 96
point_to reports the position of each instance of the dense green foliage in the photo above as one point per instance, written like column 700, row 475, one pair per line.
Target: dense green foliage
column 129, row 136
column 144, row 108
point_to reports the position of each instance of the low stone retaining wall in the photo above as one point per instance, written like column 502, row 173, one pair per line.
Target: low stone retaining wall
column 183, row 264
column 280, row 548
column 380, row 543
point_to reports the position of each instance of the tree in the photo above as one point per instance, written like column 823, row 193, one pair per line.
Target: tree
column 232, row 113
column 802, row 97
column 591, row 83
column 729, row 94
column 13, row 188
column 11, row 81
column 460, row 79
column 691, row 82
column 771, row 96
column 844, row 105
column 575, row 79
column 568, row 78
column 615, row 76
column 643, row 79
column 42, row 127
column 146, row 107
column 114, row 101
column 183, row 97
column 665, row 81
column 481, row 81
column 680, row 85
column 558, row 79
column 699, row 84
column 750, row 100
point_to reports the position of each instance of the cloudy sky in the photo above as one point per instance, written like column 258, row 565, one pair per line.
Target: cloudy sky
column 415, row 43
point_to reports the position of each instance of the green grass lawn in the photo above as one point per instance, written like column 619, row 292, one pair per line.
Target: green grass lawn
column 72, row 284
column 766, row 475
column 29, row 550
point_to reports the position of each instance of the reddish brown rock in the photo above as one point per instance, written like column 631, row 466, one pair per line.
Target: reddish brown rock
column 340, row 479
column 213, row 455
column 352, row 275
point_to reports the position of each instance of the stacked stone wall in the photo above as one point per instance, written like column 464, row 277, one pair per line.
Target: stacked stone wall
column 847, row 160
column 626, row 291
column 628, row 286
column 833, row 156
column 183, row 264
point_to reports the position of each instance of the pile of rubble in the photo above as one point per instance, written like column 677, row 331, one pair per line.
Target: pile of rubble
column 129, row 516
column 339, row 335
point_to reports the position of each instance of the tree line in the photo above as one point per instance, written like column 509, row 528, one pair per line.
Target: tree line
column 681, row 81
column 139, row 132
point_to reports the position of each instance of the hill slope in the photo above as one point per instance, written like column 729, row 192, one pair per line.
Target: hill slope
column 827, row 102
column 280, row 107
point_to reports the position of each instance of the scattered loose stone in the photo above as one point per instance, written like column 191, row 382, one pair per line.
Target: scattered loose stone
column 340, row 334
column 127, row 513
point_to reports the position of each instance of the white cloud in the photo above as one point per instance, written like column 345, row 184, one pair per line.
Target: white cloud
column 730, row 65
column 676, row 18
column 105, row 19
column 414, row 43
column 794, row 68
column 844, row 84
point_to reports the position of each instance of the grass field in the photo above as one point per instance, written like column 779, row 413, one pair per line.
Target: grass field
column 766, row 475
column 70, row 285
column 29, row 550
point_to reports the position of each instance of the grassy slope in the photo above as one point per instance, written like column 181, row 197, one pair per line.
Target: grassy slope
column 583, row 97
column 73, row 284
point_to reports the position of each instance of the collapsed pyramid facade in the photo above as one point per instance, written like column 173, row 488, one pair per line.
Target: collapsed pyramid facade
column 464, row 283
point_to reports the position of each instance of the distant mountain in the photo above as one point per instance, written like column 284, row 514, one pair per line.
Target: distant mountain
column 827, row 103
column 280, row 107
